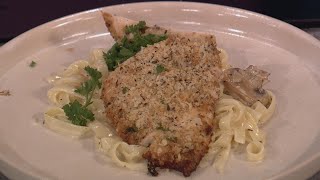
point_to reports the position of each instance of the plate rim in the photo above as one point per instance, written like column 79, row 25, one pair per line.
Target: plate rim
column 309, row 37
column 6, row 164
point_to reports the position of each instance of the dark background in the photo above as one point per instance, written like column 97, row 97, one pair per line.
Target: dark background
column 18, row 16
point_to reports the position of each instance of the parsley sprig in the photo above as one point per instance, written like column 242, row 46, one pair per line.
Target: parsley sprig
column 77, row 113
column 128, row 47
column 88, row 87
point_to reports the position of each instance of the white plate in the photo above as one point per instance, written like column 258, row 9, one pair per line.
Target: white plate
column 27, row 150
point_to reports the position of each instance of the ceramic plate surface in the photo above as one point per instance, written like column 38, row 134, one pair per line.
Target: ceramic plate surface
column 29, row 151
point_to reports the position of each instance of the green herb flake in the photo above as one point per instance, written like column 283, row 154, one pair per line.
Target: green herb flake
column 162, row 128
column 125, row 90
column 160, row 68
column 32, row 64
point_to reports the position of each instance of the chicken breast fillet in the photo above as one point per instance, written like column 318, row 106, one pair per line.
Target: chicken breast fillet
column 164, row 97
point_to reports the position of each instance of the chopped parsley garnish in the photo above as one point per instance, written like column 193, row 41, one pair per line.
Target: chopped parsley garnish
column 88, row 87
column 137, row 28
column 125, row 90
column 32, row 64
column 128, row 47
column 160, row 68
column 160, row 127
column 77, row 113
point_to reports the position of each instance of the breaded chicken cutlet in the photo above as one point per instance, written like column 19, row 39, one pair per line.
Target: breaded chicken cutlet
column 164, row 96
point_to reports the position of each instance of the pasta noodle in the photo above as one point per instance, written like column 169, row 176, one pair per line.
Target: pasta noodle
column 62, row 93
column 237, row 124
column 56, row 120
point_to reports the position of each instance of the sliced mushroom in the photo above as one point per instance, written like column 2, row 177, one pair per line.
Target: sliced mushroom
column 246, row 85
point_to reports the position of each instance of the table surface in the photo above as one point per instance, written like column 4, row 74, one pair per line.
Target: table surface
column 313, row 31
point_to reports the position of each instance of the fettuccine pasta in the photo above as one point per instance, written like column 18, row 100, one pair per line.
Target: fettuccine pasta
column 107, row 142
column 237, row 124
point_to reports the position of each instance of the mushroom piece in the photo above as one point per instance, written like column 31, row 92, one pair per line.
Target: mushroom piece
column 245, row 85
